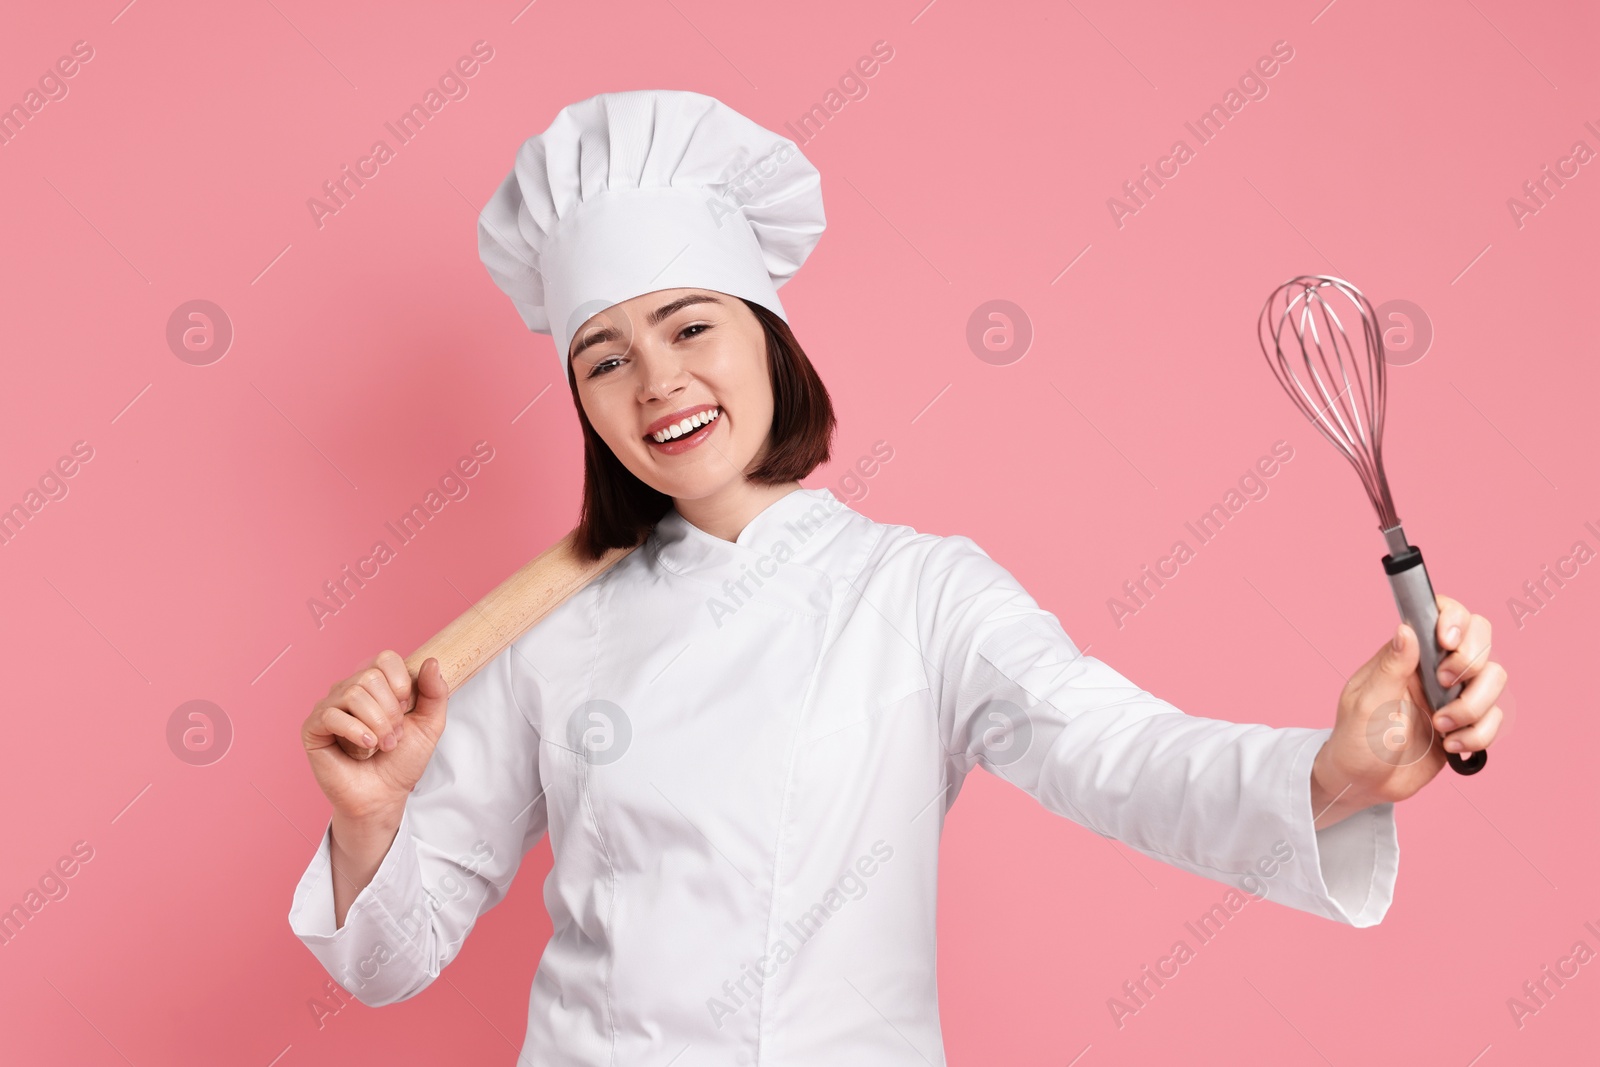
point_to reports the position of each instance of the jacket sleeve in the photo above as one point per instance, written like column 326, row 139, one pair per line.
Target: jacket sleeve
column 477, row 808
column 1224, row 800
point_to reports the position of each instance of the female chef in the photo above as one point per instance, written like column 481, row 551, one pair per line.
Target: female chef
column 743, row 738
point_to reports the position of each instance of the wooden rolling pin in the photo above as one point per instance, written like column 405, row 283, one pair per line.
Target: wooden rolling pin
column 508, row 611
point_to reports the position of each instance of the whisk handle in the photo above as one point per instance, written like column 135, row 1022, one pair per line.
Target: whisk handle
column 1413, row 595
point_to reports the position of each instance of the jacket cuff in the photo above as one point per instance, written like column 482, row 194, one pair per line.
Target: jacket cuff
column 373, row 932
column 1345, row 872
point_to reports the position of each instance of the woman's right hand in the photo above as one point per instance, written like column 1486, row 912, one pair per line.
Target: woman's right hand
column 366, row 750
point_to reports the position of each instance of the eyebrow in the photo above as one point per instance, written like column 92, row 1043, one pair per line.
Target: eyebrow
column 609, row 333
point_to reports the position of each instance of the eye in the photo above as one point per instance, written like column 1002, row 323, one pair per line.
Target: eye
column 603, row 367
column 700, row 326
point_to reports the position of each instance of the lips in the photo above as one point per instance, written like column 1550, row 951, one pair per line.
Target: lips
column 675, row 418
column 691, row 439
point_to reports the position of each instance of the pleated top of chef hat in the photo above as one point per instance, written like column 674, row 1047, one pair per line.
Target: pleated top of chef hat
column 633, row 192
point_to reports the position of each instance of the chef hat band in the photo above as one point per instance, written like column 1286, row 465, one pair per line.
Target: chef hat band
column 630, row 193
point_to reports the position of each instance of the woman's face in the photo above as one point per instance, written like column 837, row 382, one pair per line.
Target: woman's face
column 668, row 356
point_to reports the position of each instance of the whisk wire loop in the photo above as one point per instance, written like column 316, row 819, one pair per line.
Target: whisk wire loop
column 1306, row 341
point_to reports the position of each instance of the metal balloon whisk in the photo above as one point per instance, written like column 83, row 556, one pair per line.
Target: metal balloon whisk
column 1304, row 335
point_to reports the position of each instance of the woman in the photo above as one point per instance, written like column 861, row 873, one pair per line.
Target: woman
column 743, row 738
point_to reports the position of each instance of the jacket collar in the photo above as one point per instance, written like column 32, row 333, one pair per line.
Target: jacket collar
column 784, row 542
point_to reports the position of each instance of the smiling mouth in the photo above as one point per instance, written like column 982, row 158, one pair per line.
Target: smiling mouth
column 687, row 427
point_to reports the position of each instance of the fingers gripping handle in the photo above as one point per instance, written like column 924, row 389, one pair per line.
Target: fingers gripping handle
column 1413, row 595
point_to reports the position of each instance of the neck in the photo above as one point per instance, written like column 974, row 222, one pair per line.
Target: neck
column 729, row 510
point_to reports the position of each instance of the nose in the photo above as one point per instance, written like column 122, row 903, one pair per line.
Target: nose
column 663, row 374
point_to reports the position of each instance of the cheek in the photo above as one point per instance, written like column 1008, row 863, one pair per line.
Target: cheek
column 751, row 412
column 749, row 394
column 612, row 427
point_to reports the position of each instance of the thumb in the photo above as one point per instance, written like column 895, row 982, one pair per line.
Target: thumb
column 1399, row 657
column 433, row 695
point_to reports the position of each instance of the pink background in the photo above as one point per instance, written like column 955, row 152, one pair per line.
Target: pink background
column 370, row 353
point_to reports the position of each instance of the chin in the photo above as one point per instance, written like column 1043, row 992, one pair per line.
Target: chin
column 694, row 485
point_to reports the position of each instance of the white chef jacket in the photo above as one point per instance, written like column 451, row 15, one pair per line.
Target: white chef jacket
column 743, row 752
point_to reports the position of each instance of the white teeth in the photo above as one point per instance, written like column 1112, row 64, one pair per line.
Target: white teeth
column 693, row 422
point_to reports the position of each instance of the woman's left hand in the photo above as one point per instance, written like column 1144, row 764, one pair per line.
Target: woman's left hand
column 1384, row 746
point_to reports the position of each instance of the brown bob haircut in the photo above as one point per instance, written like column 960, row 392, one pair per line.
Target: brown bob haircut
column 620, row 510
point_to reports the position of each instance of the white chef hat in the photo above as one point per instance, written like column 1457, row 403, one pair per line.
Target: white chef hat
column 629, row 193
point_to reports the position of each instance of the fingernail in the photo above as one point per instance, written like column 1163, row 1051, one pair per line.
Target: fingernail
column 389, row 742
column 1447, row 678
column 368, row 740
column 1452, row 635
column 1453, row 746
column 1446, row 723
column 1397, row 644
